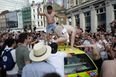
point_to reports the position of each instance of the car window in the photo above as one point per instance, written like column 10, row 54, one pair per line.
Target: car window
column 78, row 63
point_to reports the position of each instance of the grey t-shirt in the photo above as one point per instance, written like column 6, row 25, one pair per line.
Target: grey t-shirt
column 22, row 55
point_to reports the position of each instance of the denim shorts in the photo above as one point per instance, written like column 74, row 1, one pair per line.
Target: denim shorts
column 50, row 28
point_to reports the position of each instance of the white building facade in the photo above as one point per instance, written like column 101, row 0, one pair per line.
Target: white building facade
column 3, row 24
column 20, row 21
column 37, row 20
column 89, row 14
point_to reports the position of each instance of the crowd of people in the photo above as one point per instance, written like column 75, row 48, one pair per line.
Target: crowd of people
column 35, row 54
column 100, row 46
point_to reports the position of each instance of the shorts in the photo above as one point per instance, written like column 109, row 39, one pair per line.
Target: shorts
column 50, row 28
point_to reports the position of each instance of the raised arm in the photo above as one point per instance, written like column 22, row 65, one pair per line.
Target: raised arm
column 60, row 16
column 41, row 14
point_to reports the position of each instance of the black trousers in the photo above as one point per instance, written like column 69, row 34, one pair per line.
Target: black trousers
column 19, row 75
column 98, row 64
column 2, row 73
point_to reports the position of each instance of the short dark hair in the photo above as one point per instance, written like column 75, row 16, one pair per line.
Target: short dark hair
column 22, row 37
column 51, row 75
column 10, row 41
column 49, row 7
column 54, row 47
column 57, row 23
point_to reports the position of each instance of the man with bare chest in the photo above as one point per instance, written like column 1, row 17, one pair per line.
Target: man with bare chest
column 51, row 25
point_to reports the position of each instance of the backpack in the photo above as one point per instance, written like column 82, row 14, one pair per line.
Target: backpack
column 7, row 60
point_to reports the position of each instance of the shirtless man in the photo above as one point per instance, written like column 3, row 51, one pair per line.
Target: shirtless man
column 65, row 32
column 72, row 33
column 50, row 19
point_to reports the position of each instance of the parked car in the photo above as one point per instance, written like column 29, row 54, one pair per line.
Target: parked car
column 79, row 65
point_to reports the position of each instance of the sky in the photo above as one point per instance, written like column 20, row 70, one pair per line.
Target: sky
column 11, row 4
column 36, row 1
column 60, row 2
column 17, row 4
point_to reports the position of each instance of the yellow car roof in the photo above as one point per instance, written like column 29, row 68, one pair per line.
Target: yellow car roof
column 69, row 50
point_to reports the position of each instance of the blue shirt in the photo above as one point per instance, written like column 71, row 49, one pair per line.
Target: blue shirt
column 37, row 69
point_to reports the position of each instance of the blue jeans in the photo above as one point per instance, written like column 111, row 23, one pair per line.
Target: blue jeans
column 50, row 28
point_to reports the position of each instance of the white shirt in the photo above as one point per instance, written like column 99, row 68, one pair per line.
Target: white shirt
column 57, row 60
column 15, row 69
column 86, row 42
column 104, row 41
column 64, row 31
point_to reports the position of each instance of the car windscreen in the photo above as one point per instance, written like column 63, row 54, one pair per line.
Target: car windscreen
column 78, row 63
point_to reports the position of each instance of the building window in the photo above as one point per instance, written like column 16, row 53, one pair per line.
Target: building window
column 101, row 10
column 38, row 24
column 38, row 16
column 115, row 11
column 115, row 14
column 70, row 20
column 101, row 14
column 77, row 20
column 40, row 9
column 88, row 21
column 101, row 18
column 71, row 2
column 115, row 6
column 33, row 10
column 77, row 2
column 41, row 23
column 34, row 16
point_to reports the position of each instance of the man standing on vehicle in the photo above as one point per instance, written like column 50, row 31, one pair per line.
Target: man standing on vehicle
column 50, row 18
column 51, row 24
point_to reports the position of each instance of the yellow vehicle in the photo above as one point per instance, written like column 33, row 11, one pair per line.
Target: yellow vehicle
column 79, row 65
